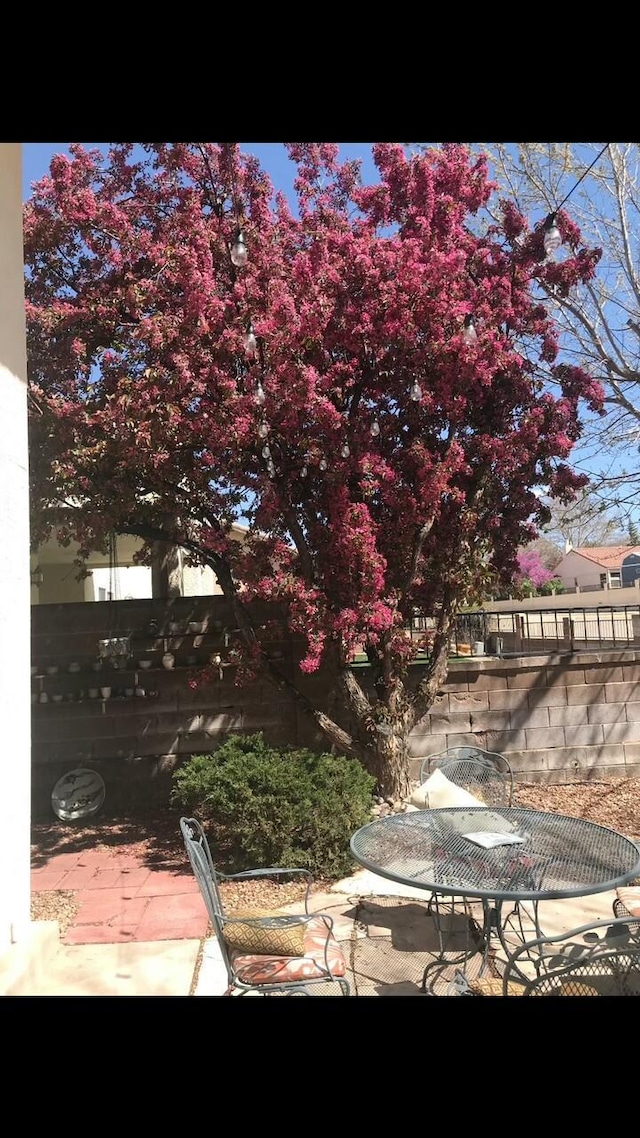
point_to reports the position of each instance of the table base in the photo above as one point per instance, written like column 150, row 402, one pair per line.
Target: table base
column 488, row 932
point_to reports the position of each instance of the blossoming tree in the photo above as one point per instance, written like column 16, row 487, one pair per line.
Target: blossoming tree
column 531, row 571
column 362, row 378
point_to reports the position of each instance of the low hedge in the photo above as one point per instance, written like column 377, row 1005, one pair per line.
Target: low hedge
column 272, row 806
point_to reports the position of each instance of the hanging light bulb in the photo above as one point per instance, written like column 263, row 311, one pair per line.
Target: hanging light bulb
column 416, row 392
column 266, row 452
column 322, row 465
column 304, row 471
column 239, row 250
column 552, row 236
column 250, row 342
column 375, row 428
column 271, row 468
column 345, row 452
column 263, row 429
column 260, row 395
column 469, row 334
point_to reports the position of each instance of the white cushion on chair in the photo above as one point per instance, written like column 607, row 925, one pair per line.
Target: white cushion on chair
column 439, row 791
column 630, row 897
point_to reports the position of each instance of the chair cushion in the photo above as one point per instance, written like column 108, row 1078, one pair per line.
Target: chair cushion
column 280, row 935
column 488, row 986
column 630, row 897
column 309, row 965
column 570, row 987
column 439, row 791
column 492, row 986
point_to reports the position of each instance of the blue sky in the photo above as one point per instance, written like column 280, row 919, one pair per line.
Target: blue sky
column 36, row 159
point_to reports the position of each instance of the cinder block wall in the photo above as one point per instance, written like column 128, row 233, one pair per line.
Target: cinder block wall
column 136, row 742
column 557, row 718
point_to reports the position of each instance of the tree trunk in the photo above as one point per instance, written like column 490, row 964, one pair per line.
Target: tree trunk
column 388, row 760
column 166, row 571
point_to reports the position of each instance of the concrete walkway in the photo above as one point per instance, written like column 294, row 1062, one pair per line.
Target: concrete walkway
column 400, row 943
column 141, row 931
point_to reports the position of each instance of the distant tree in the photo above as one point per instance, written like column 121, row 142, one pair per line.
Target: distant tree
column 532, row 568
column 550, row 552
column 634, row 534
column 364, row 378
column 552, row 587
column 600, row 318
column 584, row 522
column 533, row 578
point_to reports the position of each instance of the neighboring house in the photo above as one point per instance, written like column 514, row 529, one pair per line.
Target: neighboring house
column 54, row 575
column 600, row 567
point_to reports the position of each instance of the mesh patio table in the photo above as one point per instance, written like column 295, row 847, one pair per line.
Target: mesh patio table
column 557, row 856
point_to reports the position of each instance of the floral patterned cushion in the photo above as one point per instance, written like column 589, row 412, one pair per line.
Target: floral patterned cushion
column 277, row 934
column 567, row 986
column 492, row 986
column 277, row 969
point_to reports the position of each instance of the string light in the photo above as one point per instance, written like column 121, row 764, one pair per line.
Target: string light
column 345, row 452
column 416, row 392
column 266, row 451
column 375, row 428
column 239, row 250
column 304, row 471
column 552, row 236
column 322, row 465
column 260, row 395
column 250, row 342
column 271, row 468
column 469, row 334
column 263, row 429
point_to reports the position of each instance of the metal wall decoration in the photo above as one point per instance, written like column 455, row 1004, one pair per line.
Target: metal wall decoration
column 78, row 794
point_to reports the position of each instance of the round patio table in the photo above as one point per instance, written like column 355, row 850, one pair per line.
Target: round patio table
column 558, row 856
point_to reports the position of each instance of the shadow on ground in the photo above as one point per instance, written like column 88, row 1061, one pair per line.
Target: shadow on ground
column 395, row 948
column 153, row 836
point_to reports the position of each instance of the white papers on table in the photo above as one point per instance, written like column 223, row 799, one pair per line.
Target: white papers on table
column 489, row 840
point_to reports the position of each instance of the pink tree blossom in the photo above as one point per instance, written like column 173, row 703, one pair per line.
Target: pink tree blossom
column 332, row 388
column 531, row 568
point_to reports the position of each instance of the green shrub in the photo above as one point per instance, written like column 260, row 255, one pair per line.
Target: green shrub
column 269, row 806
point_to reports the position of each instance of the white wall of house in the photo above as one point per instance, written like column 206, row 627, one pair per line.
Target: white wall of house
column 54, row 574
column 15, row 706
column 575, row 566
column 125, row 583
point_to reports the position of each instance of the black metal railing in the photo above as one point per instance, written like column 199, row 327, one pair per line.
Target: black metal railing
column 539, row 631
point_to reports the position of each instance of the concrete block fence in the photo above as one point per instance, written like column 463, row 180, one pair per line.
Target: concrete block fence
column 557, row 717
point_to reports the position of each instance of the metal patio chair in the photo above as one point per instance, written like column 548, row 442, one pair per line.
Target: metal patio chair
column 485, row 774
column 598, row 959
column 270, row 953
column 488, row 776
column 627, row 900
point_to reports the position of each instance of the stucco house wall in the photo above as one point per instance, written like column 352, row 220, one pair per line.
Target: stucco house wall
column 15, row 800
column 575, row 567
column 54, row 577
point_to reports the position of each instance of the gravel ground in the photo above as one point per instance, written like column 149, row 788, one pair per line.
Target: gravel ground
column 156, row 839
column 610, row 802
